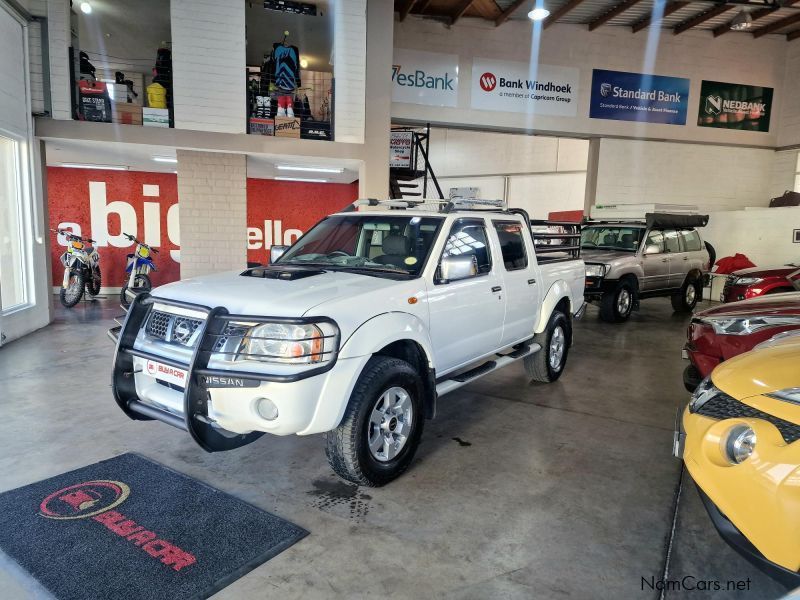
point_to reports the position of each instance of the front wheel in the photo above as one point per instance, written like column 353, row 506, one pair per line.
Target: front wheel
column 141, row 282
column 616, row 306
column 686, row 299
column 382, row 425
column 547, row 364
column 73, row 292
column 93, row 285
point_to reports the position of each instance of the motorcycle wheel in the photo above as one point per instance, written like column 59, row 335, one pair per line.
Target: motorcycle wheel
column 73, row 293
column 140, row 282
column 93, row 285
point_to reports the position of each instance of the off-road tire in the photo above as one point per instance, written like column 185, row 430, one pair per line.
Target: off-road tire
column 680, row 301
column 346, row 447
column 93, row 286
column 610, row 311
column 141, row 282
column 537, row 365
column 80, row 284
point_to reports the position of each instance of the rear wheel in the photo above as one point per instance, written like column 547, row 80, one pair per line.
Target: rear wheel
column 616, row 305
column 382, row 425
column 73, row 293
column 686, row 298
column 141, row 282
column 547, row 364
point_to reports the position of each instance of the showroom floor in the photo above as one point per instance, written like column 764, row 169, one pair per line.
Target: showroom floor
column 518, row 490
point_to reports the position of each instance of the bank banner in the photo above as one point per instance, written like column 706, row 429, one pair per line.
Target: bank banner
column 425, row 78
column 522, row 87
column 734, row 106
column 640, row 97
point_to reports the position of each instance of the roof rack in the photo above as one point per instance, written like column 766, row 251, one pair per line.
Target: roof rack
column 442, row 206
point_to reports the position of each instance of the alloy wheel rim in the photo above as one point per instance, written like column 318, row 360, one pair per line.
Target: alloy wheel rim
column 557, row 345
column 623, row 302
column 73, row 289
column 390, row 424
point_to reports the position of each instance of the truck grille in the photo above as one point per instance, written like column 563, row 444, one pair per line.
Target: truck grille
column 170, row 328
column 724, row 407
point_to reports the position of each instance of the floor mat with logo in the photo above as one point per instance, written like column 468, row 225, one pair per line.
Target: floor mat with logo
column 129, row 527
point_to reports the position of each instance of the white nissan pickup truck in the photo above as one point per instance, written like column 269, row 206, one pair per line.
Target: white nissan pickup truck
column 355, row 331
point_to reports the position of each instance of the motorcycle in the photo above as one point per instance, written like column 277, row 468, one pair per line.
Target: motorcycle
column 140, row 263
column 81, row 268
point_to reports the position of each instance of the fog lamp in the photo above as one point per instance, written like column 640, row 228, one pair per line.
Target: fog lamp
column 266, row 409
column 740, row 443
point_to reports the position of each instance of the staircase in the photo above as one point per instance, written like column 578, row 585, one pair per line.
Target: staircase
column 412, row 182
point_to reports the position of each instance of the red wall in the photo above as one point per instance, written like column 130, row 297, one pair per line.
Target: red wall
column 285, row 208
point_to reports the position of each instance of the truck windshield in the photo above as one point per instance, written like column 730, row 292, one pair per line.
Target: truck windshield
column 611, row 237
column 376, row 245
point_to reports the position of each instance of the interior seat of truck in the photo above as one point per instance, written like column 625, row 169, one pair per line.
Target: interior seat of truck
column 396, row 248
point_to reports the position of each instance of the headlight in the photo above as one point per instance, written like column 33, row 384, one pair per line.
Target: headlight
column 702, row 394
column 739, row 444
column 596, row 270
column 788, row 395
column 144, row 252
column 747, row 325
column 311, row 343
column 747, row 280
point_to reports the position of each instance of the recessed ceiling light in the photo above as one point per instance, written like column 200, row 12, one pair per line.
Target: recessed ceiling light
column 310, row 169
column 86, row 8
column 88, row 166
column 306, row 179
column 538, row 14
column 165, row 159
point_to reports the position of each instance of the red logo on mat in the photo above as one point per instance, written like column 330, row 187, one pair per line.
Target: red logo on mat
column 488, row 82
column 95, row 500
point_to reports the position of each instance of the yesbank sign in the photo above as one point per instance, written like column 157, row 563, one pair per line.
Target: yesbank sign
column 424, row 78
column 638, row 97
column 510, row 86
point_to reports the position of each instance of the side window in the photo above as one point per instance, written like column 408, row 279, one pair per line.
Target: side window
column 671, row 241
column 691, row 240
column 469, row 238
column 656, row 238
column 512, row 244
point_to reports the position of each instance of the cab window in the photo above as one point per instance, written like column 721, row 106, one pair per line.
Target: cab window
column 691, row 240
column 512, row 244
column 468, row 237
column 671, row 241
column 656, row 238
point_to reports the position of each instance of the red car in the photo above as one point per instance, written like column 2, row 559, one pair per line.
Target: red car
column 724, row 331
column 756, row 281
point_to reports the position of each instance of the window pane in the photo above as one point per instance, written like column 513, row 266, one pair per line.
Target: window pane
column 656, row 238
column 12, row 280
column 512, row 244
column 671, row 242
column 691, row 241
column 469, row 238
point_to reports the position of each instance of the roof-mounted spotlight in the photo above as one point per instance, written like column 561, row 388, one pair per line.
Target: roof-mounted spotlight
column 742, row 21
column 538, row 14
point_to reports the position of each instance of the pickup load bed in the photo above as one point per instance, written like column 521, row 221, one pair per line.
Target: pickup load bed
column 354, row 332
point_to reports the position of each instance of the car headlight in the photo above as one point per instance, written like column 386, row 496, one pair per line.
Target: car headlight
column 739, row 444
column 702, row 394
column 748, row 325
column 596, row 270
column 787, row 395
column 747, row 280
column 309, row 343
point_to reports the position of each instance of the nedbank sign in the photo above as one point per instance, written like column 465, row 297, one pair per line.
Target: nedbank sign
column 424, row 78
column 734, row 106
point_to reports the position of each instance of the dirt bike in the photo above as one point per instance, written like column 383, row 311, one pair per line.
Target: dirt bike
column 140, row 263
column 81, row 268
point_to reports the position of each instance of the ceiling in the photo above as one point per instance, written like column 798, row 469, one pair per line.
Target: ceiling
column 679, row 16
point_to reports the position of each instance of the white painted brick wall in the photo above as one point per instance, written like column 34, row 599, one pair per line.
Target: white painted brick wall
column 35, row 65
column 58, row 35
column 212, row 192
column 789, row 125
column 712, row 177
column 349, row 68
column 208, row 64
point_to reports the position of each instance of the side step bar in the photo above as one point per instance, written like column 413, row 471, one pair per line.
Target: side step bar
column 450, row 383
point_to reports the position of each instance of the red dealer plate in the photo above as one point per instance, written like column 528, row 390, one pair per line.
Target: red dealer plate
column 166, row 373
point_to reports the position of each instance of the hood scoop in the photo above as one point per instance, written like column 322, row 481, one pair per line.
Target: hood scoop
column 284, row 273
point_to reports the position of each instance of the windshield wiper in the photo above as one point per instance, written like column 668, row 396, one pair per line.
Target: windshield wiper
column 375, row 270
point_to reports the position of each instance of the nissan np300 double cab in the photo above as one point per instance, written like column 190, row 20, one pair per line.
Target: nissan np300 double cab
column 354, row 331
column 627, row 261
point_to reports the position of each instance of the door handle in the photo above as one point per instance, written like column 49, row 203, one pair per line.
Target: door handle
column 497, row 288
column 685, row 258
column 664, row 259
column 531, row 281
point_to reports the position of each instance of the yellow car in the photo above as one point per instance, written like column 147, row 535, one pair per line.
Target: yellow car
column 737, row 438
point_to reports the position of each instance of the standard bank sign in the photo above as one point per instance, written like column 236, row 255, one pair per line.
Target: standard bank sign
column 638, row 97
column 424, row 78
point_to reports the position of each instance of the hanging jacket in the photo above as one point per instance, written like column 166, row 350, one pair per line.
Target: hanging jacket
column 286, row 63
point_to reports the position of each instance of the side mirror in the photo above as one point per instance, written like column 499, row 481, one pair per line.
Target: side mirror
column 454, row 268
column 652, row 249
column 275, row 252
